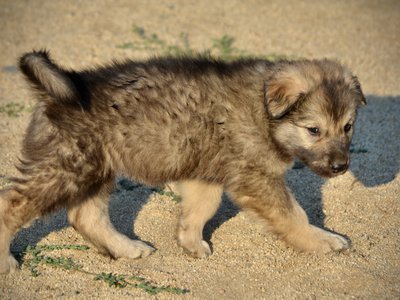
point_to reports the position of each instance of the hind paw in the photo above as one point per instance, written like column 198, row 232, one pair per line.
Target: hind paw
column 8, row 265
column 199, row 249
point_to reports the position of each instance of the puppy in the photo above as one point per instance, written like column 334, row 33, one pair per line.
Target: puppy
column 208, row 125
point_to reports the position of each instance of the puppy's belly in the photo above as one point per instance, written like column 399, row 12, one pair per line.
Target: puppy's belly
column 154, row 163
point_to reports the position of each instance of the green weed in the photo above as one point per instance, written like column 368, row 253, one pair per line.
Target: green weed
column 121, row 281
column 13, row 109
column 61, row 262
column 4, row 181
column 174, row 197
column 113, row 280
column 358, row 150
column 222, row 48
column 39, row 255
column 151, row 42
column 225, row 49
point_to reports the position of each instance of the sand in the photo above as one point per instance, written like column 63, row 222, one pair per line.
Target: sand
column 247, row 262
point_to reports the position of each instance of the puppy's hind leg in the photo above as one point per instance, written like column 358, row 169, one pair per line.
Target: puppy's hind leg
column 91, row 219
column 200, row 202
column 15, row 212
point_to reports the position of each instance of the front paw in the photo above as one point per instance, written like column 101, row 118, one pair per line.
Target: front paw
column 314, row 239
column 8, row 265
column 329, row 241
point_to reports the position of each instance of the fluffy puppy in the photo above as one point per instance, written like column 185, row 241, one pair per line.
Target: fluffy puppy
column 208, row 125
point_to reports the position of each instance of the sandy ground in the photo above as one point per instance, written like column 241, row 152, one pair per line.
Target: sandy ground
column 247, row 263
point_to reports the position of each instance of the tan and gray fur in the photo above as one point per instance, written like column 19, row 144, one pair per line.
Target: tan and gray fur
column 208, row 125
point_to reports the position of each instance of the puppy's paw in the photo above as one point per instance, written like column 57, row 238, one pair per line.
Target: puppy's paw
column 333, row 242
column 8, row 265
column 132, row 249
column 199, row 249
column 139, row 249
column 314, row 239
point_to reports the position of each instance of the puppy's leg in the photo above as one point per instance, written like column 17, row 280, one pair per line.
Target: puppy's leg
column 306, row 237
column 200, row 202
column 15, row 212
column 272, row 201
column 91, row 219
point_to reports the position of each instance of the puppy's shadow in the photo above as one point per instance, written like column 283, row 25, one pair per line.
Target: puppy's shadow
column 376, row 143
column 126, row 201
column 306, row 187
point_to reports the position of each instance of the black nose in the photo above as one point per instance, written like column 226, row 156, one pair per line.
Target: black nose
column 339, row 167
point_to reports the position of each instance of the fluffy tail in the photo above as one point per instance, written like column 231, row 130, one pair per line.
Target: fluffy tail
column 47, row 77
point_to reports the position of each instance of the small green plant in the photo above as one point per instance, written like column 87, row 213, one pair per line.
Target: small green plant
column 358, row 150
column 151, row 42
column 113, row 280
column 61, row 262
column 121, row 281
column 39, row 255
column 4, row 181
column 12, row 109
column 174, row 197
column 225, row 49
column 222, row 48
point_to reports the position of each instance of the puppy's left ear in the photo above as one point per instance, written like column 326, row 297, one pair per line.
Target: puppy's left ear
column 283, row 91
column 355, row 85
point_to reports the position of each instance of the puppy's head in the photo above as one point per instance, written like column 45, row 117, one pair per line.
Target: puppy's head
column 312, row 106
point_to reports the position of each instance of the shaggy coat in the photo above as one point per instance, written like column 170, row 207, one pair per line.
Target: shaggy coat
column 208, row 125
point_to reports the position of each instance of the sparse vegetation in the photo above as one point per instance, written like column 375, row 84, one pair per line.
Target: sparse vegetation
column 39, row 256
column 221, row 47
column 14, row 109
column 151, row 42
column 121, row 281
column 358, row 150
column 4, row 181
column 174, row 197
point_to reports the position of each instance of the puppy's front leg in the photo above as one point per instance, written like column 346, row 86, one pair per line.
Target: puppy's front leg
column 200, row 202
column 272, row 201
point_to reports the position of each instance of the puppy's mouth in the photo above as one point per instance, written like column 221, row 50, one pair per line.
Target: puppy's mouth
column 326, row 166
column 325, row 169
column 329, row 171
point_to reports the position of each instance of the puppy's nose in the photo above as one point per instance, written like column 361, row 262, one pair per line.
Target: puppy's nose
column 338, row 167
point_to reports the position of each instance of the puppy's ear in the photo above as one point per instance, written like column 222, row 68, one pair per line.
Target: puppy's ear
column 286, row 88
column 355, row 84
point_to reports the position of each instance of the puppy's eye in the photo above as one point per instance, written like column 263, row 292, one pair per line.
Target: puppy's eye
column 313, row 130
column 347, row 127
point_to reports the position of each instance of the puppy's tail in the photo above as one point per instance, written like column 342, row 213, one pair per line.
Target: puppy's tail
column 45, row 76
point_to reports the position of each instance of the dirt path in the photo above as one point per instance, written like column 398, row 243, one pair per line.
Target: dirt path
column 247, row 263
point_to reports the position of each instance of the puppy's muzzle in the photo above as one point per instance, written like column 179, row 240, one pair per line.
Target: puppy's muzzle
column 339, row 168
